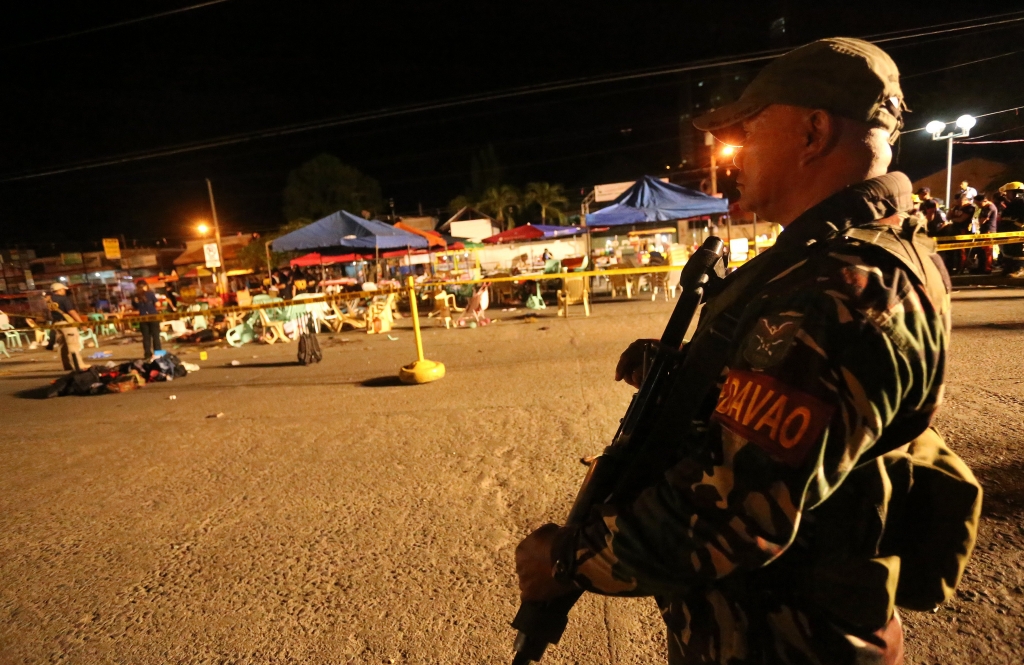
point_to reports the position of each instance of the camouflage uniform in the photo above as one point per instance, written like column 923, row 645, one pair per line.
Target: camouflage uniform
column 767, row 539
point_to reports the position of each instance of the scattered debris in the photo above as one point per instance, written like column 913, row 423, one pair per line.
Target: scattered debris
column 235, row 363
column 393, row 339
column 190, row 367
column 216, row 415
column 203, row 355
column 530, row 319
column 542, row 328
column 172, row 397
column 101, row 354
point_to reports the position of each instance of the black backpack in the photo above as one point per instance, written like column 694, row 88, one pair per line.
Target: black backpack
column 309, row 347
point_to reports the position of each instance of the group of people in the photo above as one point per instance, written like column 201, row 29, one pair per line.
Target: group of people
column 287, row 283
column 62, row 309
column 972, row 212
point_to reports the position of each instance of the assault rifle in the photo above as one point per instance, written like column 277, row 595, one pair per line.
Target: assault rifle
column 628, row 457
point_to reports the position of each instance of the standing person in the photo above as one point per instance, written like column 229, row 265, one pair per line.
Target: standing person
column 144, row 302
column 66, row 339
column 936, row 221
column 988, row 222
column 774, row 533
column 1011, row 220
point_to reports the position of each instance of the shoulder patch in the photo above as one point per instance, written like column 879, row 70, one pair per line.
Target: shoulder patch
column 771, row 338
column 781, row 420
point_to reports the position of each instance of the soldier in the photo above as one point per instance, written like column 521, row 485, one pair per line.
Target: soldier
column 1011, row 220
column 780, row 531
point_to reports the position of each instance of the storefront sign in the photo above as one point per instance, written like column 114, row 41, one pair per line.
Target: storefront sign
column 112, row 248
column 71, row 259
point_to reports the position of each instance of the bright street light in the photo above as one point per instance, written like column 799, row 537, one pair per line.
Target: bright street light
column 964, row 123
column 203, row 228
column 728, row 150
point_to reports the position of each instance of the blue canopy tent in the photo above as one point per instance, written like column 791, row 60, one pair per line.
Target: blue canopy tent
column 651, row 200
column 345, row 230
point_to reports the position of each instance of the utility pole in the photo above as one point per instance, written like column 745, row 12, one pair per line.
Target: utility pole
column 222, row 282
column 709, row 140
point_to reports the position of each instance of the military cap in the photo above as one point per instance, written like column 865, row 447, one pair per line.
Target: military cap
column 851, row 78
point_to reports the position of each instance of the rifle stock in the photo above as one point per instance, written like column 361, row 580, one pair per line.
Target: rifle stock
column 542, row 623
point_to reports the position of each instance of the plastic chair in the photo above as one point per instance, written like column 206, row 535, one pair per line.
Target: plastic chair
column 273, row 331
column 3, row 349
column 240, row 334
column 379, row 316
column 575, row 292
column 88, row 334
column 318, row 310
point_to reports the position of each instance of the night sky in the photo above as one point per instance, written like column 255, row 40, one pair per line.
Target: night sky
column 243, row 65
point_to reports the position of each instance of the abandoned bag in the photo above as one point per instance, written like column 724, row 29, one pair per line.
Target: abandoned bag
column 309, row 347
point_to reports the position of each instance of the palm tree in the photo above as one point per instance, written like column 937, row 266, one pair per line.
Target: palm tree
column 500, row 202
column 458, row 203
column 549, row 197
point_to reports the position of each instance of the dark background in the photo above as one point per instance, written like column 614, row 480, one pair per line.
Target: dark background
column 247, row 65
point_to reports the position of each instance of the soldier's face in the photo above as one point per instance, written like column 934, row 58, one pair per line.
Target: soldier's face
column 769, row 158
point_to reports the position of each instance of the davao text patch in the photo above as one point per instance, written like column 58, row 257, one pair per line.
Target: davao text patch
column 783, row 421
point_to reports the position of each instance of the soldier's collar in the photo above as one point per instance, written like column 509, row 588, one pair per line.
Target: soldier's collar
column 855, row 205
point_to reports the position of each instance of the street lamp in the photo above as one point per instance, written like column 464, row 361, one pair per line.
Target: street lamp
column 964, row 123
column 203, row 228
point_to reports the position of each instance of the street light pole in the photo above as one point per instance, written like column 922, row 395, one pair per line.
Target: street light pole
column 964, row 123
column 222, row 280
column 949, row 168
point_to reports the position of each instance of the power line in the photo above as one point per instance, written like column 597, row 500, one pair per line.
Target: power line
column 555, row 86
column 961, row 64
column 982, row 115
column 110, row 26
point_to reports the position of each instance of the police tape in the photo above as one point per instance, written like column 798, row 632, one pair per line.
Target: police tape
column 948, row 243
column 342, row 298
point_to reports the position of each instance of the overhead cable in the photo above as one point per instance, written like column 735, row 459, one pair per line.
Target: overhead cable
column 110, row 26
column 497, row 95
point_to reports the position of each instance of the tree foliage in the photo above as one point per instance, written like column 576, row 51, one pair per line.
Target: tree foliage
column 501, row 203
column 254, row 255
column 324, row 185
column 550, row 198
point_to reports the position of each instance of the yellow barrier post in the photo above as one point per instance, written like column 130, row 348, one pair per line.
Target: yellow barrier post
column 421, row 370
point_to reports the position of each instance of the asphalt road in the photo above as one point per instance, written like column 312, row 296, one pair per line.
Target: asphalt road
column 331, row 516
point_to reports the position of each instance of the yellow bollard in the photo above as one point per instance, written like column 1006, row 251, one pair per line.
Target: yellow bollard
column 421, row 370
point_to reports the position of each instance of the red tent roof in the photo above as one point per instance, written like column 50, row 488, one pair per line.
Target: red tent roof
column 317, row 259
column 518, row 234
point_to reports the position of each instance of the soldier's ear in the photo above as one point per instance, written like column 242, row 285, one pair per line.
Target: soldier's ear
column 821, row 133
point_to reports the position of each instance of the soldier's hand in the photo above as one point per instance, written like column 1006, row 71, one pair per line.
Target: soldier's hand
column 535, row 567
column 631, row 363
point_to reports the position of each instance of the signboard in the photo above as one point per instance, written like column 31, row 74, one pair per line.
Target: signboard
column 112, row 248
column 139, row 261
column 212, row 255
column 611, row 191
column 472, row 229
column 71, row 259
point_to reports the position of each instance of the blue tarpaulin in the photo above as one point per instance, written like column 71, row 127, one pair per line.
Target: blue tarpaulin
column 651, row 200
column 345, row 230
column 552, row 231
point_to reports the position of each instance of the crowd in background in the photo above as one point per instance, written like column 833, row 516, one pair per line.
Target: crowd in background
column 972, row 212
